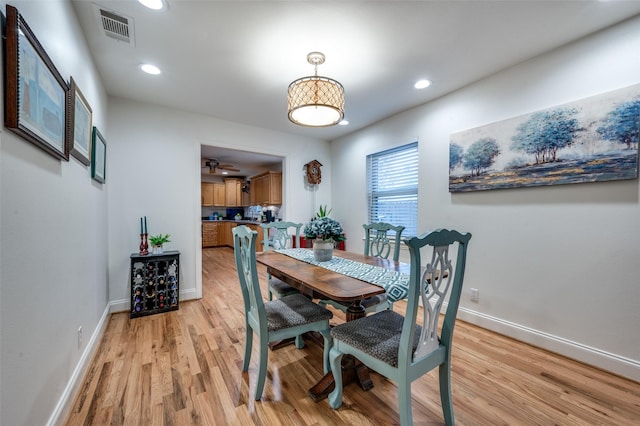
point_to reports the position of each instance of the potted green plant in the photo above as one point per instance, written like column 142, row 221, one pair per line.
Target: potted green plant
column 323, row 211
column 324, row 232
column 157, row 241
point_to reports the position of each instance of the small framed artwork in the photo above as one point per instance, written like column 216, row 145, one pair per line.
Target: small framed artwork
column 35, row 93
column 98, row 156
column 79, row 124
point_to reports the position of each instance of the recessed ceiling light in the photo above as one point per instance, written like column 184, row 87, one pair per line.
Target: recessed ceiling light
column 150, row 69
column 343, row 123
column 153, row 4
column 421, row 84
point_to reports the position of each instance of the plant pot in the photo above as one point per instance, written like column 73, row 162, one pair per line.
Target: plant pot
column 322, row 250
column 156, row 249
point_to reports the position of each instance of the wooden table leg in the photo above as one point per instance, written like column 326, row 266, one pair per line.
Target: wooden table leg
column 281, row 343
column 320, row 390
column 352, row 369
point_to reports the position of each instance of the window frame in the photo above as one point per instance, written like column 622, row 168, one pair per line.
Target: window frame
column 405, row 190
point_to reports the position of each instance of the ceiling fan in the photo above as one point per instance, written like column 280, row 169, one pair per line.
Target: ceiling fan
column 214, row 165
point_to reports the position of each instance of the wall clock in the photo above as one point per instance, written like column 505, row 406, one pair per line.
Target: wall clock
column 314, row 173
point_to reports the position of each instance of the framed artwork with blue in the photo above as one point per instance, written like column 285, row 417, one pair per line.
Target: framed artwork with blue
column 589, row 140
column 36, row 97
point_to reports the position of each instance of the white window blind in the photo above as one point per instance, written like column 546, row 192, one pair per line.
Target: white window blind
column 392, row 187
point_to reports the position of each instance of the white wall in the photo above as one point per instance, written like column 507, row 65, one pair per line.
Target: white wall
column 53, row 243
column 153, row 169
column 556, row 266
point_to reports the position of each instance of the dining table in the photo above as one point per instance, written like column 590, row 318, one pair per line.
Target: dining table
column 318, row 282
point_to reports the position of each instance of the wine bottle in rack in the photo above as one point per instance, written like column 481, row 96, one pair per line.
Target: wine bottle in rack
column 154, row 281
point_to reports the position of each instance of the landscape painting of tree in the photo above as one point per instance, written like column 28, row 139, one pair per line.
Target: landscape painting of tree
column 591, row 140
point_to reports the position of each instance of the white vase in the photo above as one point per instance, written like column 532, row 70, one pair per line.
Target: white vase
column 322, row 250
column 156, row 250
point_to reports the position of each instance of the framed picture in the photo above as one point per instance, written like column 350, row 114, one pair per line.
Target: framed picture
column 79, row 125
column 36, row 94
column 98, row 156
column 594, row 139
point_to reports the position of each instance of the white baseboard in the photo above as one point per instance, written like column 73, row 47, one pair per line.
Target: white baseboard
column 63, row 407
column 613, row 363
column 65, row 402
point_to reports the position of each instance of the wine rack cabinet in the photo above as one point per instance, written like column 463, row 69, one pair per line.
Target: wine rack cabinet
column 155, row 285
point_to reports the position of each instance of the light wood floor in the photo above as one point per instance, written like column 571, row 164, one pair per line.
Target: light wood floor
column 184, row 368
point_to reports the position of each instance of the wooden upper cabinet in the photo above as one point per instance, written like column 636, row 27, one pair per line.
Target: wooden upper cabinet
column 266, row 188
column 233, row 192
column 238, row 193
column 244, row 196
column 230, row 191
column 275, row 188
column 206, row 190
column 219, row 195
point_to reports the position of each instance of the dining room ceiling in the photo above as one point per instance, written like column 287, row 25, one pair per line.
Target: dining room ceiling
column 235, row 59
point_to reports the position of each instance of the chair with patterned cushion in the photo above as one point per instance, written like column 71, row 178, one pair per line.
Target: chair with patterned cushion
column 397, row 346
column 275, row 320
column 281, row 237
column 378, row 243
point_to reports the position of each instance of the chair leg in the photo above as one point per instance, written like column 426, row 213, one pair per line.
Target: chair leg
column 299, row 341
column 262, row 366
column 404, row 403
column 269, row 292
column 445, row 393
column 248, row 343
column 335, row 397
column 328, row 343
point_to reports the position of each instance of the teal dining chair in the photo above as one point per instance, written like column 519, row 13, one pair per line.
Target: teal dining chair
column 397, row 346
column 282, row 237
column 377, row 243
column 275, row 320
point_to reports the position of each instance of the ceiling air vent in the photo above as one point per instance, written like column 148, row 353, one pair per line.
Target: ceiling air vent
column 116, row 26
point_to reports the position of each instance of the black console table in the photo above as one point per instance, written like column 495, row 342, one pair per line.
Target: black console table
column 154, row 283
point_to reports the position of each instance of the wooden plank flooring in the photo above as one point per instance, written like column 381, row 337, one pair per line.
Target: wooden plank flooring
column 184, row 368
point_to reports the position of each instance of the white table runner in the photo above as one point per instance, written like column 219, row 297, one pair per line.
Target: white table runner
column 395, row 283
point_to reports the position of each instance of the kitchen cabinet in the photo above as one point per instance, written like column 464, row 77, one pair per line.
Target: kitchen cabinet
column 206, row 192
column 213, row 194
column 230, row 193
column 218, row 233
column 233, row 192
column 210, row 234
column 226, row 236
column 259, row 237
column 245, row 199
column 219, row 194
column 266, row 189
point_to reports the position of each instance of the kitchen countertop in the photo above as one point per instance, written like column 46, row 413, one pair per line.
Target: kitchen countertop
column 251, row 222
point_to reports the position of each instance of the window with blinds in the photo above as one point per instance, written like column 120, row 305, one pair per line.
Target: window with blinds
column 392, row 187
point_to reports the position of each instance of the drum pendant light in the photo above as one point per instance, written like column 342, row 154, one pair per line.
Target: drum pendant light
column 316, row 101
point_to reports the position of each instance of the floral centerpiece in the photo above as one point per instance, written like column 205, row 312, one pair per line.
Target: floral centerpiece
column 324, row 228
column 324, row 232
